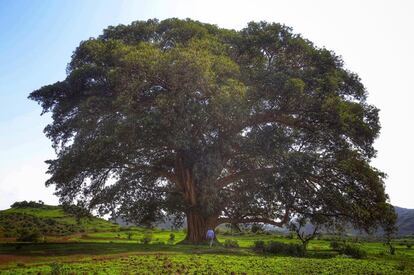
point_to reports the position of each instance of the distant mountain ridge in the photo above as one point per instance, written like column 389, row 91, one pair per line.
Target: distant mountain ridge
column 405, row 221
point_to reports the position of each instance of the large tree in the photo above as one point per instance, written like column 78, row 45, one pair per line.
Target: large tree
column 180, row 117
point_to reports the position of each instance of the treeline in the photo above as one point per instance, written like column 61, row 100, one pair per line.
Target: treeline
column 28, row 204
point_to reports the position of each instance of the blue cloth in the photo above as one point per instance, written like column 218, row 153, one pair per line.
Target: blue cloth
column 210, row 234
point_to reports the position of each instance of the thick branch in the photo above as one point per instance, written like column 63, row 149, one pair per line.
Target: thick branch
column 224, row 181
column 280, row 223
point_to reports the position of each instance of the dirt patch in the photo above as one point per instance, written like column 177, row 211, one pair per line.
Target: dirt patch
column 6, row 259
column 13, row 259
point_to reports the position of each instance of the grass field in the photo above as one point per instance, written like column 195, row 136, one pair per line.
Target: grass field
column 122, row 253
column 95, row 246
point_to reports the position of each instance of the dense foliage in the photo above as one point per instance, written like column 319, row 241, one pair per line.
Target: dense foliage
column 351, row 250
column 180, row 117
column 280, row 248
column 28, row 204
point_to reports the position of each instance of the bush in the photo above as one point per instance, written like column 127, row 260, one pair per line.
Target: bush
column 28, row 235
column 337, row 245
column 409, row 245
column 259, row 246
column 354, row 251
column 28, row 204
column 285, row 249
column 129, row 235
column 231, row 244
column 171, row 240
column 147, row 238
column 348, row 249
column 57, row 269
column 279, row 248
column 289, row 236
column 402, row 266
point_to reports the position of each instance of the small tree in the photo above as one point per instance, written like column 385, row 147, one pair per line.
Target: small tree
column 129, row 235
column 171, row 240
column 298, row 226
column 390, row 228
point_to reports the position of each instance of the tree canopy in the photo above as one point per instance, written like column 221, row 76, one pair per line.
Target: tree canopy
column 185, row 118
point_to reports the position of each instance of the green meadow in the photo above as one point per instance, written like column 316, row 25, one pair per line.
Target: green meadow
column 65, row 244
column 123, row 252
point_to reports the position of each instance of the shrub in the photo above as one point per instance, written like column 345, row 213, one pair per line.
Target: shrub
column 147, row 238
column 231, row 244
column 259, row 246
column 348, row 249
column 57, row 269
column 402, row 266
column 354, row 251
column 129, row 235
column 28, row 204
column 28, row 235
column 409, row 245
column 337, row 245
column 285, row 249
column 172, row 238
column 289, row 236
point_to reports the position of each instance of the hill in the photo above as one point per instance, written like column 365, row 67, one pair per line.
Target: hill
column 405, row 221
column 47, row 220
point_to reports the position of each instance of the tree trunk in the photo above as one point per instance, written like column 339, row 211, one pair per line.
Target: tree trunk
column 197, row 227
column 197, row 224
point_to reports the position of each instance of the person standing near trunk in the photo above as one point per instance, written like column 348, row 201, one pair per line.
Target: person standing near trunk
column 210, row 236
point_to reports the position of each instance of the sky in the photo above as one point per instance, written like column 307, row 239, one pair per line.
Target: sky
column 37, row 38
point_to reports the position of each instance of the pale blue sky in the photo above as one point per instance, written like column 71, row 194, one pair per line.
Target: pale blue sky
column 37, row 38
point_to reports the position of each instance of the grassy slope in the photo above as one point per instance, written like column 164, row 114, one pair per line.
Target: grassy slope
column 49, row 219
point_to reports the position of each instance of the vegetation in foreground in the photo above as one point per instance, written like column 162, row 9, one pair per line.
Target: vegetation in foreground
column 218, row 264
column 125, row 251
column 102, row 247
